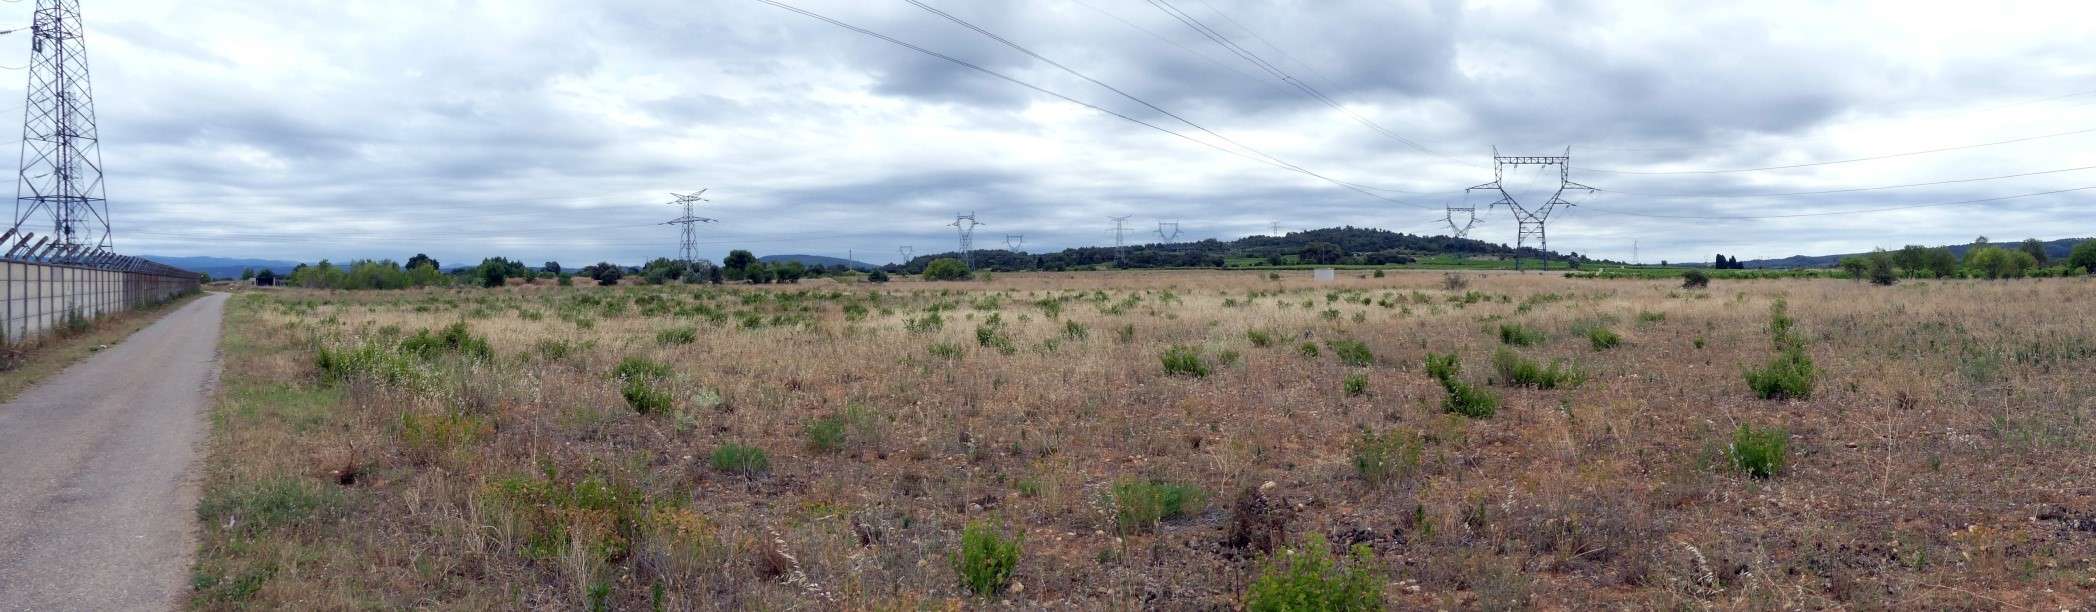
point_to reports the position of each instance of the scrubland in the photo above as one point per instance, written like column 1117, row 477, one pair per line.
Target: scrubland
column 1170, row 440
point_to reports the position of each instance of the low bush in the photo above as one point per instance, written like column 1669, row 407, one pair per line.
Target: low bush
column 634, row 368
column 677, row 335
column 453, row 339
column 1355, row 384
column 1517, row 371
column 1351, row 352
column 1306, row 577
column 1307, row 349
column 1516, row 335
column 1184, row 361
column 986, row 559
column 1759, row 452
column 1603, row 338
column 1788, row 375
column 1139, row 505
column 1694, row 279
column 853, row 426
column 738, row 459
column 1260, row 338
column 1443, row 368
column 644, row 398
column 1469, row 400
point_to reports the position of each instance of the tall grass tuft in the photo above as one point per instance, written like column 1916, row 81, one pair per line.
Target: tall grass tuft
column 986, row 560
column 1516, row 335
column 1306, row 577
column 1184, row 361
column 1517, row 371
column 1760, row 452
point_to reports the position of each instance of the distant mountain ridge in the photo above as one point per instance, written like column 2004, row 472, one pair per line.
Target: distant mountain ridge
column 223, row 267
column 2054, row 249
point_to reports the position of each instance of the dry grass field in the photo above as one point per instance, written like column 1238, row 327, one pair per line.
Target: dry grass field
column 1157, row 440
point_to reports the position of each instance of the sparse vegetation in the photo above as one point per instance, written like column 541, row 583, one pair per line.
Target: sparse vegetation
column 1517, row 335
column 843, row 445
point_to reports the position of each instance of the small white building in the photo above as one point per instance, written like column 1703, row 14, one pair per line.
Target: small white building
column 1323, row 275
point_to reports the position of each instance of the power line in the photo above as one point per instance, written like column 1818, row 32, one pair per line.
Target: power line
column 1146, row 103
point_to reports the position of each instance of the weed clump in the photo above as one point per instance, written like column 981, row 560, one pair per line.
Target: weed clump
column 1603, row 338
column 1351, row 352
column 1355, row 384
column 1790, row 374
column 1517, row 371
column 1140, row 505
column 1516, row 335
column 642, row 395
column 1308, row 578
column 453, row 339
column 1381, row 459
column 853, row 426
column 1760, row 452
column 1695, row 279
column 677, row 335
column 1184, row 361
column 1463, row 398
column 986, row 559
column 1260, row 338
column 738, row 459
column 633, row 368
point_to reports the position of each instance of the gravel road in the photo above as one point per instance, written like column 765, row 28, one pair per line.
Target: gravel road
column 98, row 484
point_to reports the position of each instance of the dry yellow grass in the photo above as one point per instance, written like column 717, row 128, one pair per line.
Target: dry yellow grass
column 1943, row 460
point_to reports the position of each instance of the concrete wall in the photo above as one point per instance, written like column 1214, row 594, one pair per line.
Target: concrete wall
column 36, row 298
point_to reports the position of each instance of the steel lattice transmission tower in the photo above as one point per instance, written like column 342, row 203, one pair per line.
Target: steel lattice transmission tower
column 688, row 251
column 1168, row 231
column 907, row 252
column 1468, row 215
column 1014, row 241
column 1531, row 220
column 966, row 225
column 1120, row 231
column 61, row 164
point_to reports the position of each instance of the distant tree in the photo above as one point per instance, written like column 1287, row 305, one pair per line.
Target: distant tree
column 946, row 269
column 265, row 277
column 1694, row 279
column 420, row 259
column 758, row 273
column 739, row 259
column 1941, row 263
column 1854, row 266
column 2083, row 256
column 1912, row 259
column 789, row 272
column 877, row 276
column 1322, row 252
column 552, row 267
column 2036, row 250
column 605, row 273
column 713, row 275
column 425, row 275
column 247, row 274
column 493, row 276
column 1879, row 268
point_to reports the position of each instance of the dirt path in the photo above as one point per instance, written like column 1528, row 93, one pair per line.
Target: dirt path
column 97, row 498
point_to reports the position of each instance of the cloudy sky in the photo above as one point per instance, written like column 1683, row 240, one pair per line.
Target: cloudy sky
column 303, row 129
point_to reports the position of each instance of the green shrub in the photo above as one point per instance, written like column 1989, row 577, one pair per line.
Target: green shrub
column 1603, row 338
column 1260, row 338
column 854, row 425
column 1694, row 279
column 926, row 324
column 1443, row 368
column 633, row 368
column 1184, row 361
column 1380, row 459
column 1306, row 577
column 1351, row 352
column 1307, row 349
column 1075, row 331
column 1514, row 334
column 946, row 350
column 945, row 269
column 1759, row 452
column 1140, row 505
column 1469, row 400
column 1788, row 375
column 738, row 459
column 1517, row 371
column 1355, row 384
column 455, row 338
column 986, row 560
column 642, row 395
column 677, row 335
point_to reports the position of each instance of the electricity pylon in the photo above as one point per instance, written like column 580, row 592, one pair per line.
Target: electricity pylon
column 1168, row 231
column 61, row 164
column 688, row 251
column 966, row 225
column 1014, row 241
column 1120, row 231
column 1530, row 221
